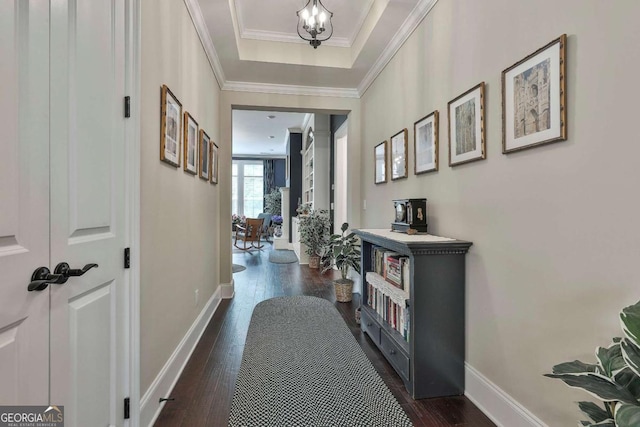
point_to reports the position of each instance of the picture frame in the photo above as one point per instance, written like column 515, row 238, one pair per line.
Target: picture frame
column 466, row 127
column 214, row 163
column 399, row 161
column 190, row 144
column 204, row 154
column 425, row 144
column 534, row 99
column 380, row 162
column 170, row 127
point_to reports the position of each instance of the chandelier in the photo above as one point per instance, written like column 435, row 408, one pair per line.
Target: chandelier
column 314, row 23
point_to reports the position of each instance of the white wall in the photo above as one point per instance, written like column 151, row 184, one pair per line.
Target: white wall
column 554, row 228
column 179, row 221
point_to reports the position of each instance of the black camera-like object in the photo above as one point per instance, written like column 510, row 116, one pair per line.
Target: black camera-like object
column 410, row 214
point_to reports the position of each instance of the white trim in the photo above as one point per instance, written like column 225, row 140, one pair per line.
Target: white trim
column 205, row 38
column 290, row 89
column 305, row 122
column 168, row 377
column 227, row 290
column 501, row 408
column 419, row 12
column 273, row 36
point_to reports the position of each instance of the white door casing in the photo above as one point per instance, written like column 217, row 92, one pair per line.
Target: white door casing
column 340, row 177
column 24, row 200
column 89, row 314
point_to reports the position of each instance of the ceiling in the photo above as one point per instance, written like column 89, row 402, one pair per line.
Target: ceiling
column 254, row 46
column 252, row 132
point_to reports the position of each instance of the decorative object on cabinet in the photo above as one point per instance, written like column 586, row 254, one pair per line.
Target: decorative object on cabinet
column 170, row 127
column 534, row 98
column 612, row 379
column 418, row 324
column 315, row 229
column 466, row 127
column 380, row 158
column 425, row 144
column 343, row 252
column 410, row 216
column 190, row 144
column 205, row 155
column 214, row 163
column 399, row 161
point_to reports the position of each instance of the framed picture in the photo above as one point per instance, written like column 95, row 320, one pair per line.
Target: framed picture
column 214, row 163
column 190, row 144
column 534, row 99
column 170, row 127
column 399, row 161
column 204, row 155
column 466, row 127
column 425, row 144
column 380, row 157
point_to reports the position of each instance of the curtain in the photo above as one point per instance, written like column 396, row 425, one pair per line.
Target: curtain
column 269, row 176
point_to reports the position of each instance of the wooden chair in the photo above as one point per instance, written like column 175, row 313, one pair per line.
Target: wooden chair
column 249, row 233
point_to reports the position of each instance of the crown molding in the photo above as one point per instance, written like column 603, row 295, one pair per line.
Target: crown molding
column 290, row 89
column 193, row 7
column 273, row 36
column 419, row 12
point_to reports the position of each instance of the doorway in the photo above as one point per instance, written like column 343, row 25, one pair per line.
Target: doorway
column 340, row 177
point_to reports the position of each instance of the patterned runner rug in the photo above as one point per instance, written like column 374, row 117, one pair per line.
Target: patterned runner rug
column 301, row 366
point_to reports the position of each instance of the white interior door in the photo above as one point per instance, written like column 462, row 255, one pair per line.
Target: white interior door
column 88, row 313
column 340, row 178
column 24, row 200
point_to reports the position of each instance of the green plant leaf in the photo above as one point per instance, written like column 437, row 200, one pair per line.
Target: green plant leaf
column 631, row 355
column 593, row 411
column 628, row 415
column 574, row 367
column 610, row 359
column 597, row 385
column 630, row 320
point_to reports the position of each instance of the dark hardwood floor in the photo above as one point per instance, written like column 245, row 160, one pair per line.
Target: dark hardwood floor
column 204, row 391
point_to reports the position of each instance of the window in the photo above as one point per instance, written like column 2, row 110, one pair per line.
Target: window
column 247, row 194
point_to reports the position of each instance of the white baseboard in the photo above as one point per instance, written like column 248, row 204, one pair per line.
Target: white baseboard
column 501, row 408
column 165, row 381
column 227, row 290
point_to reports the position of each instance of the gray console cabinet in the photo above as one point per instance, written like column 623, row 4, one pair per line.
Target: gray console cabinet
column 431, row 362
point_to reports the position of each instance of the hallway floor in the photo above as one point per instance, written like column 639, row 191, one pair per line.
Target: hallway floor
column 204, row 391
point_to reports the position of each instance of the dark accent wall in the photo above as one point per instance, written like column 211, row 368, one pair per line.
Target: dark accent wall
column 280, row 172
column 335, row 121
column 294, row 147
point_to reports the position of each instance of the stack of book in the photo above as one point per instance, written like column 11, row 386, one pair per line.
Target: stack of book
column 395, row 268
column 389, row 301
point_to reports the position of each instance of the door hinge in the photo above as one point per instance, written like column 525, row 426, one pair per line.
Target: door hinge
column 127, row 106
column 127, row 408
column 127, row 258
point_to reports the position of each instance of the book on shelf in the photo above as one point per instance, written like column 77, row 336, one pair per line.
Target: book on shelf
column 390, row 303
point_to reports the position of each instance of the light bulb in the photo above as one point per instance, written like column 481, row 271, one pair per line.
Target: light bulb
column 323, row 17
column 312, row 21
column 314, row 11
column 305, row 14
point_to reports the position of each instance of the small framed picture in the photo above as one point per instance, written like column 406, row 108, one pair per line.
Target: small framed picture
column 214, row 163
column 466, row 127
column 170, row 127
column 399, row 161
column 190, row 144
column 534, row 99
column 425, row 144
column 204, row 155
column 380, row 157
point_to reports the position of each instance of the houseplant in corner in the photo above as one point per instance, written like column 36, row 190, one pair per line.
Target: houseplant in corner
column 314, row 233
column 614, row 378
column 343, row 252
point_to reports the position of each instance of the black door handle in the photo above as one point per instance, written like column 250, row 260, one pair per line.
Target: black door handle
column 66, row 271
column 42, row 277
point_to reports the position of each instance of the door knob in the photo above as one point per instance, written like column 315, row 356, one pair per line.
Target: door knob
column 42, row 277
column 64, row 270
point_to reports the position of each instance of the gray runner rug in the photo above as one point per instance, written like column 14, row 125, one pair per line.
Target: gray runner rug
column 282, row 256
column 301, row 366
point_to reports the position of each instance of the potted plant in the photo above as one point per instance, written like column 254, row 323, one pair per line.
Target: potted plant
column 314, row 233
column 273, row 202
column 614, row 379
column 343, row 252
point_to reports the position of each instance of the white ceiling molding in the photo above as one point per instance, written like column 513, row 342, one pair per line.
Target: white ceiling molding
column 205, row 38
column 273, row 36
column 290, row 89
column 422, row 9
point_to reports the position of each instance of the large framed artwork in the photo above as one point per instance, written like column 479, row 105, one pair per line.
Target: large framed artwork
column 534, row 98
column 204, row 155
column 425, row 144
column 170, row 127
column 214, row 163
column 190, row 144
column 466, row 127
column 380, row 158
column 399, row 161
